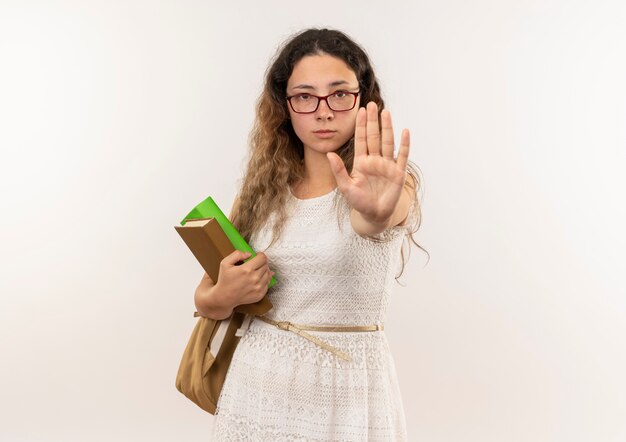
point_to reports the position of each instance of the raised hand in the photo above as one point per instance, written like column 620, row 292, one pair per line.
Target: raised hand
column 375, row 184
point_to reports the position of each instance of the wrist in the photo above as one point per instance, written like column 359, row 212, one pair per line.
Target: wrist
column 210, row 304
column 366, row 226
column 218, row 300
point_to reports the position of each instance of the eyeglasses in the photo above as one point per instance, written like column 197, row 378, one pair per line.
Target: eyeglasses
column 337, row 101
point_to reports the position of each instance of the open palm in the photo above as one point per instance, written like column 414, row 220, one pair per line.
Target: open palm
column 375, row 184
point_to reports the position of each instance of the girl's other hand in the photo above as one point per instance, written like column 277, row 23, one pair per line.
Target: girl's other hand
column 243, row 283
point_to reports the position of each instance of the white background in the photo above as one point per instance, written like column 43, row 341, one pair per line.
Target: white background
column 117, row 117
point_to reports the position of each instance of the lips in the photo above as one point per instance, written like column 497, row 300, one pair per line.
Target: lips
column 324, row 133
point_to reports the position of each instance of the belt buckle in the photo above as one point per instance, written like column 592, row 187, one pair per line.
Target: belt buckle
column 283, row 325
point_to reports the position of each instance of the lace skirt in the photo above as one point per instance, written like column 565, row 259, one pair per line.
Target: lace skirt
column 282, row 387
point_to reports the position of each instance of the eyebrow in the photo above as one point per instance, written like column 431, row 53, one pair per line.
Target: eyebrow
column 333, row 84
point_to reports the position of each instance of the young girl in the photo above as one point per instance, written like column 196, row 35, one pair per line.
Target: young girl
column 327, row 204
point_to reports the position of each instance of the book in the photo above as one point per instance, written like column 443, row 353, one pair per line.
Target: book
column 211, row 237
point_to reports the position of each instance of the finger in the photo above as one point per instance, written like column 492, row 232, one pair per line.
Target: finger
column 257, row 262
column 261, row 278
column 387, row 134
column 403, row 151
column 258, row 276
column 339, row 171
column 235, row 257
column 372, row 130
column 360, row 139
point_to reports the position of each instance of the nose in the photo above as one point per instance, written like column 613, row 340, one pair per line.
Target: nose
column 324, row 112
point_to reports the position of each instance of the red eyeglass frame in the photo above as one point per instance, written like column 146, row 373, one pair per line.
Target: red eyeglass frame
column 325, row 98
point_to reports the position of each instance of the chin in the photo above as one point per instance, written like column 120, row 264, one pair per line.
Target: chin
column 325, row 147
column 325, row 150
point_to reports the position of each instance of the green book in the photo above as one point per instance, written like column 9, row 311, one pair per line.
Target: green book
column 209, row 209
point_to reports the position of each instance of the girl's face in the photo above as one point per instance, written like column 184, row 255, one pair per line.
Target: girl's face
column 324, row 130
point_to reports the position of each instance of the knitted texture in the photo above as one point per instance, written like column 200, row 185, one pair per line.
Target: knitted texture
column 282, row 387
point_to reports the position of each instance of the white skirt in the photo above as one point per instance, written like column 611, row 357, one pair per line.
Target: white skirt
column 282, row 387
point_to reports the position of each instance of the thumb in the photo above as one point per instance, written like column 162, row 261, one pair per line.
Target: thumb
column 236, row 257
column 339, row 171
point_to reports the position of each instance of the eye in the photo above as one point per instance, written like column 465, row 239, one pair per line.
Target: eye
column 302, row 97
column 340, row 94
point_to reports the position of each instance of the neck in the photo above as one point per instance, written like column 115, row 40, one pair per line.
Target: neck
column 318, row 178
